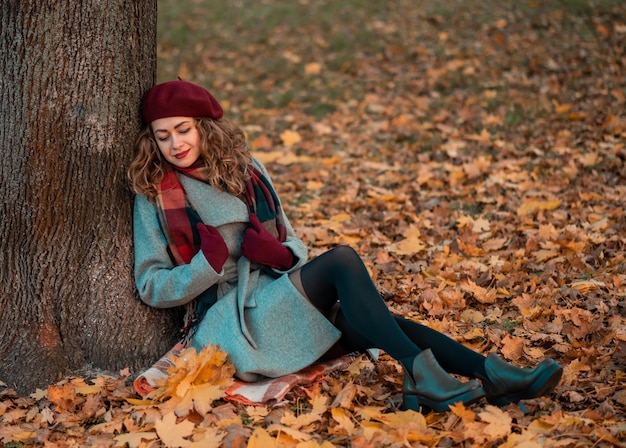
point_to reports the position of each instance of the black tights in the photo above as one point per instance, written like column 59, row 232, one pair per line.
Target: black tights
column 365, row 321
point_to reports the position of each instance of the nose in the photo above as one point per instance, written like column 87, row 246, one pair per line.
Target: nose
column 176, row 142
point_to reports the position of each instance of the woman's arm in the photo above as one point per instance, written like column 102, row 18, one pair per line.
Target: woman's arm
column 160, row 283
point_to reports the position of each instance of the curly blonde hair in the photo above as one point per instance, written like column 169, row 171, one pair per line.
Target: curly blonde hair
column 223, row 149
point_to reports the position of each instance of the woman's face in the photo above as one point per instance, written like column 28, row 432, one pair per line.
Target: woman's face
column 177, row 139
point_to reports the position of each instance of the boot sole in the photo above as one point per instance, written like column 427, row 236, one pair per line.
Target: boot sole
column 543, row 385
column 423, row 404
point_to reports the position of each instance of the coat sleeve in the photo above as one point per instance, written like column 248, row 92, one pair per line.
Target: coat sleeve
column 294, row 243
column 161, row 283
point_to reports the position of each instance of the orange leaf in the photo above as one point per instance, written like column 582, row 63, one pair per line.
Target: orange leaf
column 534, row 206
column 262, row 141
column 481, row 294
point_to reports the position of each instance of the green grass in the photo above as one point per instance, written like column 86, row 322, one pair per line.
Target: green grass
column 254, row 54
column 260, row 49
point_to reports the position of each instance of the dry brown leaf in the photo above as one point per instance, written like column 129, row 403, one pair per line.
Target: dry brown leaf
column 481, row 294
column 345, row 397
column 512, row 347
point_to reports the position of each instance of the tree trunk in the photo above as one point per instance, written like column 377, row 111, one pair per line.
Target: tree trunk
column 72, row 77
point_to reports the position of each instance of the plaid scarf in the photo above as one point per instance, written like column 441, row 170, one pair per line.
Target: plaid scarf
column 179, row 219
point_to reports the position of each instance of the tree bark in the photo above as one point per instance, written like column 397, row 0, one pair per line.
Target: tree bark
column 72, row 77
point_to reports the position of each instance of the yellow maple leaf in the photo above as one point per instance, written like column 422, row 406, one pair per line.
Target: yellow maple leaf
column 134, row 439
column 499, row 422
column 402, row 419
column 344, row 420
column 204, row 395
column 260, row 438
column 320, row 405
column 257, row 413
column 173, row 434
column 290, row 138
column 477, row 225
column 466, row 415
column 195, row 379
column 39, row 394
column 411, row 244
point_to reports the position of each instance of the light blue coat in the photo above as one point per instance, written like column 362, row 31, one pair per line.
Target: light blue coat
column 264, row 324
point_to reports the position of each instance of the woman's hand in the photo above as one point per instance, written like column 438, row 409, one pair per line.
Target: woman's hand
column 260, row 246
column 213, row 246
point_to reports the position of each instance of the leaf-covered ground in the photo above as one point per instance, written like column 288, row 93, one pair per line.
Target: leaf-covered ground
column 472, row 152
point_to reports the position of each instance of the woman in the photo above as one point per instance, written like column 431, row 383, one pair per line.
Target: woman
column 210, row 234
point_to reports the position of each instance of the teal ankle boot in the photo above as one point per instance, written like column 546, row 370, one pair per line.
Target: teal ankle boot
column 506, row 383
column 430, row 387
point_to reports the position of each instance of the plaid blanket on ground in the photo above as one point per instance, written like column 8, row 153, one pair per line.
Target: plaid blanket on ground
column 265, row 392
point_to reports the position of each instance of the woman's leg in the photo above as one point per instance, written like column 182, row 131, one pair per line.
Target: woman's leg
column 453, row 356
column 365, row 321
column 340, row 274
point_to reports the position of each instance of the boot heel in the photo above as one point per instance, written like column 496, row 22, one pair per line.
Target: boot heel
column 410, row 402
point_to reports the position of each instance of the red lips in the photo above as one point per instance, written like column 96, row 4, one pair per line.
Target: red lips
column 182, row 155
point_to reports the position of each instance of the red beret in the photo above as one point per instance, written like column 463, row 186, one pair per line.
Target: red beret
column 179, row 99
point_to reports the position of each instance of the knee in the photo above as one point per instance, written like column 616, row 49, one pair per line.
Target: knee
column 345, row 254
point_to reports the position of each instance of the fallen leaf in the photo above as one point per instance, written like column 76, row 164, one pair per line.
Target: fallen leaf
column 499, row 422
column 534, row 206
column 290, row 138
column 174, row 434
column 135, row 439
